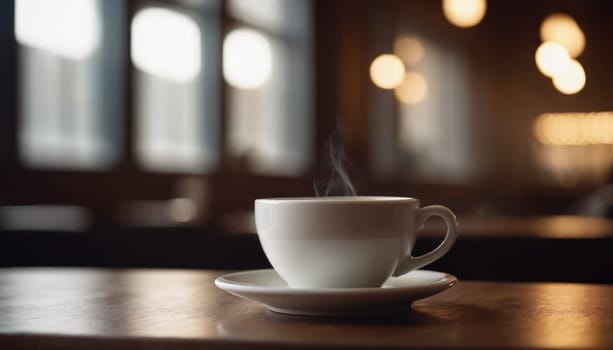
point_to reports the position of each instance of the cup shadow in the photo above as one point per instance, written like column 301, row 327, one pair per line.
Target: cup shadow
column 401, row 317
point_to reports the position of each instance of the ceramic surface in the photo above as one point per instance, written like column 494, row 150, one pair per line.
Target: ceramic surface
column 396, row 294
column 346, row 242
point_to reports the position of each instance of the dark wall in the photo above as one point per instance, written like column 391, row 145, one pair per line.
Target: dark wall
column 8, row 73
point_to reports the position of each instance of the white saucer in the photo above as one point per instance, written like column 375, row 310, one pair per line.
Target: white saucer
column 396, row 294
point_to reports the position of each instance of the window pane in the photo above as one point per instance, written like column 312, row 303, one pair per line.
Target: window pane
column 70, row 82
column 268, row 70
column 262, row 13
column 431, row 136
column 433, row 115
column 175, row 90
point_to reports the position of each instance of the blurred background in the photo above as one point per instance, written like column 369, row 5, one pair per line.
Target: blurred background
column 137, row 133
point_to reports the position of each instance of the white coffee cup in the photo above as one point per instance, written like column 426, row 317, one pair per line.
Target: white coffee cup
column 346, row 242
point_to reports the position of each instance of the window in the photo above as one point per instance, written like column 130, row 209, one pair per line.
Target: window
column 118, row 100
column 70, row 82
column 430, row 136
column 267, row 65
column 73, row 76
column 174, row 51
column 434, row 131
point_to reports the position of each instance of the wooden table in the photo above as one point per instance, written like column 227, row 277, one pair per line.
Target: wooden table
column 180, row 309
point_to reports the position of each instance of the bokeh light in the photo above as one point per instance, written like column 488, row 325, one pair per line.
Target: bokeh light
column 574, row 129
column 571, row 79
column 67, row 28
column 409, row 48
column 166, row 44
column 563, row 29
column 551, row 58
column 464, row 13
column 413, row 89
column 247, row 59
column 387, row 71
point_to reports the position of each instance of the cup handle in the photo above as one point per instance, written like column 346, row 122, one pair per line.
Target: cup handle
column 421, row 216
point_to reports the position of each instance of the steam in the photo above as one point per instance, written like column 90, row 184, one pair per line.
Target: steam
column 336, row 181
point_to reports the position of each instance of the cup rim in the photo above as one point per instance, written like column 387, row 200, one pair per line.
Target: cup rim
column 337, row 199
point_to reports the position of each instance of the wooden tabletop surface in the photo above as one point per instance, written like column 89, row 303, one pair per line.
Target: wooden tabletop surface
column 180, row 309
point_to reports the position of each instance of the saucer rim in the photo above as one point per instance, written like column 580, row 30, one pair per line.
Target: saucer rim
column 446, row 280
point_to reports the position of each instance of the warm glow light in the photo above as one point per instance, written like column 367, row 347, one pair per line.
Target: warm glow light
column 247, row 59
column 413, row 88
column 574, row 128
column 571, row 79
column 551, row 58
column 563, row 29
column 68, row 28
column 464, row 13
column 387, row 71
column 409, row 48
column 166, row 44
